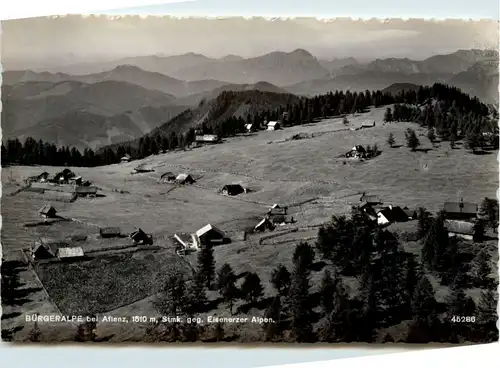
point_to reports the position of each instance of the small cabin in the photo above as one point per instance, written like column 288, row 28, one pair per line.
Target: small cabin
column 125, row 158
column 210, row 235
column 70, row 253
column 184, row 179
column 44, row 249
column 207, row 138
column 263, row 225
column 461, row 229
column 233, row 189
column 186, row 241
column 167, row 177
column 110, row 232
column 47, row 211
column 273, row 125
column 140, row 237
column 83, row 191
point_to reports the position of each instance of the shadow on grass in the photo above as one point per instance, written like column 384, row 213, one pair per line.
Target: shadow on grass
column 482, row 153
column 318, row 266
column 105, row 338
column 424, row 150
column 261, row 304
column 210, row 305
column 397, row 146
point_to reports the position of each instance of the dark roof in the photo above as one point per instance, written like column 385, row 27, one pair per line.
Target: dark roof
column 47, row 209
column 396, row 214
column 370, row 199
column 460, row 207
column 233, row 188
column 168, row 174
column 410, row 213
column 460, row 227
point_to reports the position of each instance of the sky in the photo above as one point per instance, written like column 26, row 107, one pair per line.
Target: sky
column 71, row 39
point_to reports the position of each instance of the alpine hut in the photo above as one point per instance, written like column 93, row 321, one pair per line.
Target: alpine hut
column 47, row 211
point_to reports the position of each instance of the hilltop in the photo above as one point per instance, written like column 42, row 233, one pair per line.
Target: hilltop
column 279, row 68
column 44, row 109
column 228, row 106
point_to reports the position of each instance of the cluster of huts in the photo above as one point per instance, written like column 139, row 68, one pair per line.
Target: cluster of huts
column 64, row 185
column 460, row 217
column 46, row 248
column 276, row 216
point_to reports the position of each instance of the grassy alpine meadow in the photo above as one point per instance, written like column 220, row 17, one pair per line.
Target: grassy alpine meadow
column 309, row 175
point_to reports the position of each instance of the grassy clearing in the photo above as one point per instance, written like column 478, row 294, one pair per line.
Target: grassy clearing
column 103, row 284
column 285, row 173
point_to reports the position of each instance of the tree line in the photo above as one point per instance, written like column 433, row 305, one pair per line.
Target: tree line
column 446, row 109
column 394, row 287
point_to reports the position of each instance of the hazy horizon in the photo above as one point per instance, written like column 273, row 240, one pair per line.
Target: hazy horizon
column 48, row 42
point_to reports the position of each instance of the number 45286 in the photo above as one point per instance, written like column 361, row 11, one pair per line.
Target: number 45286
column 459, row 319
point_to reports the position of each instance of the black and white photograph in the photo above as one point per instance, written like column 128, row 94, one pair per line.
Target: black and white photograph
column 249, row 180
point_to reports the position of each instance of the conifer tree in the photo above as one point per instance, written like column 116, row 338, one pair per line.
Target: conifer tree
column 272, row 330
column 252, row 289
column 411, row 139
column 226, row 284
column 281, row 279
column 390, row 140
column 206, row 265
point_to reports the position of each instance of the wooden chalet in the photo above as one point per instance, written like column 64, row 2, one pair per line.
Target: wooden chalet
column 47, row 211
column 110, row 232
column 140, row 237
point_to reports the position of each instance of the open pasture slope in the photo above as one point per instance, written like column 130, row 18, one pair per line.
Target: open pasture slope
column 309, row 175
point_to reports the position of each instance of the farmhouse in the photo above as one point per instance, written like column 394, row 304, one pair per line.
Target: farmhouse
column 167, row 177
column 86, row 191
column 460, row 210
column 47, row 211
column 125, row 158
column 70, row 253
column 77, row 180
column 391, row 214
column 44, row 249
column 460, row 229
column 232, row 189
column 273, row 125
column 210, row 235
column 110, row 232
column 43, row 177
column 64, row 176
column 140, row 237
column 248, row 127
column 276, row 210
column 264, row 224
column 184, row 179
column 186, row 241
column 368, row 124
column 356, row 152
column 207, row 138
column 370, row 200
column 281, row 219
column 412, row 214
column 143, row 168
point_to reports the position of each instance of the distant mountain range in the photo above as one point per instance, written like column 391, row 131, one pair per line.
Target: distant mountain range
column 126, row 98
